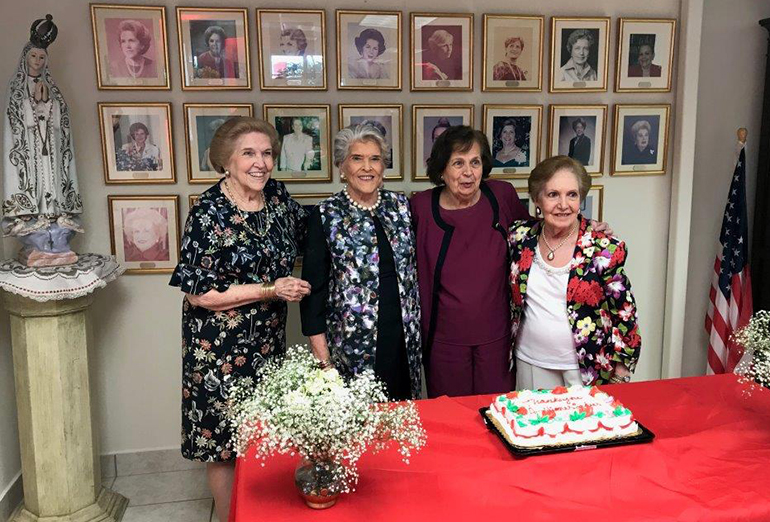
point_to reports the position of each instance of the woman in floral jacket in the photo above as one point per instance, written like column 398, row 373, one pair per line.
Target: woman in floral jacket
column 363, row 312
column 574, row 316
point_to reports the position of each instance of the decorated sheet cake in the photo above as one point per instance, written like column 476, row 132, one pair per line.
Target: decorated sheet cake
column 562, row 416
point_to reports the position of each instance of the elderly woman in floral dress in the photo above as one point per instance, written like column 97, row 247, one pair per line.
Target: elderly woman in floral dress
column 363, row 311
column 238, row 250
column 574, row 315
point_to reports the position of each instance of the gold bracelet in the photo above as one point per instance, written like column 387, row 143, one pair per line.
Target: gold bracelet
column 268, row 291
column 325, row 364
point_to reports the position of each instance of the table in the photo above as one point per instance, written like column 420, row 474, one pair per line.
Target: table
column 710, row 460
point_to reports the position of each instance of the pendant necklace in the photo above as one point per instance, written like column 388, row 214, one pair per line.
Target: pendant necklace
column 552, row 251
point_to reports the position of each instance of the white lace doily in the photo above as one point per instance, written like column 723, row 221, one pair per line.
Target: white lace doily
column 53, row 283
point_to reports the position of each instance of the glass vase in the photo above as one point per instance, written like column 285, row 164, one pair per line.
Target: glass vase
column 317, row 484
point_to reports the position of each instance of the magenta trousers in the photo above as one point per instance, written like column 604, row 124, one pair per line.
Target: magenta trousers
column 456, row 370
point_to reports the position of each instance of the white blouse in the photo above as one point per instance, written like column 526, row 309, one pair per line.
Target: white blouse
column 545, row 336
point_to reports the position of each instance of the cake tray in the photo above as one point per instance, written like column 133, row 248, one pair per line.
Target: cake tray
column 643, row 436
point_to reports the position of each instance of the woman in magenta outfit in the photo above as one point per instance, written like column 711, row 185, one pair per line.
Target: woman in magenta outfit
column 462, row 267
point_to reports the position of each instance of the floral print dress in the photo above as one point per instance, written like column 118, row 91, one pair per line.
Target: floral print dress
column 223, row 246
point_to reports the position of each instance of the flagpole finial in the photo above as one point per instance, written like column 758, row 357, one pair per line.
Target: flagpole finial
column 742, row 135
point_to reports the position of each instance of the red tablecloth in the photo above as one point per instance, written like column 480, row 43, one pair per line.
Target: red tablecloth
column 710, row 460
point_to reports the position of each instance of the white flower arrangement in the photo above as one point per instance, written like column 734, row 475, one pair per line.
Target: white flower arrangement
column 755, row 339
column 298, row 408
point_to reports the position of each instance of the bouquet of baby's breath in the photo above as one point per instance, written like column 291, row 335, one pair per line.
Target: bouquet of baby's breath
column 298, row 408
column 755, row 339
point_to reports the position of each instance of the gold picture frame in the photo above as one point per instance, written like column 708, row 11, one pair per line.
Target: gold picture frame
column 389, row 120
column 208, row 63
column 561, row 141
column 566, row 76
column 305, row 156
column 115, row 69
column 383, row 28
column 149, row 242
column 137, row 145
column 200, row 122
column 526, row 122
column 300, row 31
column 192, row 200
column 634, row 35
column 594, row 199
column 627, row 134
column 441, row 116
column 430, row 69
column 499, row 75
column 522, row 192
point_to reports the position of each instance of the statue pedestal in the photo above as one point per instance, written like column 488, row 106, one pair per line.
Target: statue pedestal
column 59, row 455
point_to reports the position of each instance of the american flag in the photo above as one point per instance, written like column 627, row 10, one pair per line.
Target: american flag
column 730, row 304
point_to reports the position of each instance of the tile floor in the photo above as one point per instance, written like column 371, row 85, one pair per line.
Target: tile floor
column 160, row 486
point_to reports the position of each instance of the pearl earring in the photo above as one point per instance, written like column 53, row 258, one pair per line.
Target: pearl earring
column 538, row 211
column 227, row 172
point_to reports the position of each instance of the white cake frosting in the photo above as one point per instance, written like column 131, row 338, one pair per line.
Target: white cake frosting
column 574, row 415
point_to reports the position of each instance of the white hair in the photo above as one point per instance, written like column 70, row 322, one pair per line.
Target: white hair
column 355, row 134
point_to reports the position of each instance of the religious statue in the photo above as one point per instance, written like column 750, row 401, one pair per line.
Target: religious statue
column 41, row 201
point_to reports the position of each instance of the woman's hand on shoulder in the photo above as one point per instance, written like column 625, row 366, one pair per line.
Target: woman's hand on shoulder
column 602, row 226
column 291, row 289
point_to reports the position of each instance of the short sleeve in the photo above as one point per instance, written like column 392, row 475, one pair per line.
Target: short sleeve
column 199, row 259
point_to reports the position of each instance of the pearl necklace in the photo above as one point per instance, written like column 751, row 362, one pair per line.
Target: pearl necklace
column 359, row 205
column 552, row 251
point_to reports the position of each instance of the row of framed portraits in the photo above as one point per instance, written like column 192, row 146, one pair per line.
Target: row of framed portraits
column 131, row 50
column 137, row 143
column 145, row 231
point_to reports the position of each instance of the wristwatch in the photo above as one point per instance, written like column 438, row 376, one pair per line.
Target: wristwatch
column 620, row 380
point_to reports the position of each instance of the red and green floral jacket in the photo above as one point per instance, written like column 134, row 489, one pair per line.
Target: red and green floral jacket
column 600, row 306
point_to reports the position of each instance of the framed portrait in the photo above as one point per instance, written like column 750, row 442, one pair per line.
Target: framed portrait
column 522, row 190
column 513, row 53
column 645, row 54
column 144, row 233
column 292, row 49
column 201, row 121
column 388, row 119
column 136, row 142
column 213, row 48
column 441, row 52
column 130, row 47
column 515, row 134
column 640, row 140
column 428, row 123
column 308, row 202
column 577, row 131
column 579, row 54
column 369, row 50
column 593, row 206
column 305, row 142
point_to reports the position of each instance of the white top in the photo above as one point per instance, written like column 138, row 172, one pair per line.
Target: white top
column 545, row 336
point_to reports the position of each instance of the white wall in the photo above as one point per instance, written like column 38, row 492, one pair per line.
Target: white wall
column 732, row 75
column 136, row 353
